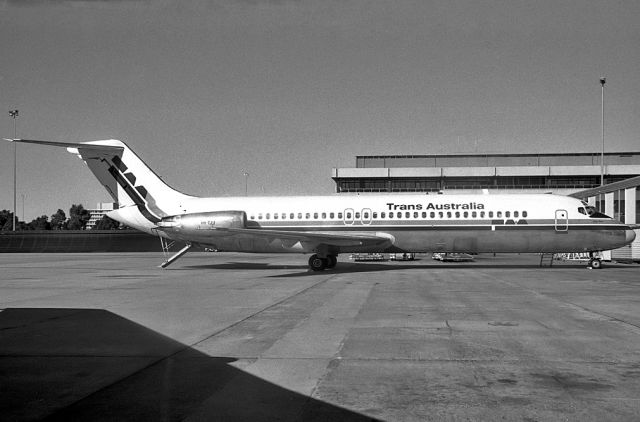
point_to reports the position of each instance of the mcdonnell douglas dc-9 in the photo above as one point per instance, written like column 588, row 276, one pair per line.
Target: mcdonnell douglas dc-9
column 326, row 226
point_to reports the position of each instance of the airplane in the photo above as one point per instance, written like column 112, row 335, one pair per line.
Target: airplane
column 326, row 226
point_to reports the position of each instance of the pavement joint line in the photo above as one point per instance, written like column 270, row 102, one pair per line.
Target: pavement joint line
column 635, row 327
column 273, row 305
column 41, row 321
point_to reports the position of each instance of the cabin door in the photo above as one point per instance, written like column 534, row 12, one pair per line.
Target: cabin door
column 562, row 221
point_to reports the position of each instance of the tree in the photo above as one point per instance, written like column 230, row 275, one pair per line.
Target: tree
column 106, row 224
column 6, row 220
column 78, row 217
column 58, row 220
column 40, row 223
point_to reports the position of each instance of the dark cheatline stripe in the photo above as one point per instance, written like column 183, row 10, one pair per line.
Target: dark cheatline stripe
column 133, row 194
column 339, row 226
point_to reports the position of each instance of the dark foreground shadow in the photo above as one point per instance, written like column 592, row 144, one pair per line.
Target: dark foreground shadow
column 93, row 365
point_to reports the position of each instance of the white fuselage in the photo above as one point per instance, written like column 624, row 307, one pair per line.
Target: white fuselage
column 416, row 223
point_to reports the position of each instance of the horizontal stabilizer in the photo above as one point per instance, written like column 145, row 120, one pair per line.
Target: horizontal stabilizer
column 68, row 144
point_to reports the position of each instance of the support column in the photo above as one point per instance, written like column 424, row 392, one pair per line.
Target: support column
column 630, row 206
column 608, row 209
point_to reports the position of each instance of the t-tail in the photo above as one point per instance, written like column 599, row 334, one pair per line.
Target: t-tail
column 143, row 198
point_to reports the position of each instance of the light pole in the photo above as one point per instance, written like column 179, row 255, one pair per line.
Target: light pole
column 602, row 82
column 246, row 182
column 14, row 115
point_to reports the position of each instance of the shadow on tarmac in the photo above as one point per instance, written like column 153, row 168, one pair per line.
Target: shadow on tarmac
column 90, row 364
column 347, row 267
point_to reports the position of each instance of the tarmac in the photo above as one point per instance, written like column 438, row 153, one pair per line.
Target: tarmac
column 240, row 337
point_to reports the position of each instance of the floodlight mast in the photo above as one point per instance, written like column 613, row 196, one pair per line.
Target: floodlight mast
column 14, row 114
column 603, row 80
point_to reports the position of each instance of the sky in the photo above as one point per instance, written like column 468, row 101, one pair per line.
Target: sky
column 286, row 90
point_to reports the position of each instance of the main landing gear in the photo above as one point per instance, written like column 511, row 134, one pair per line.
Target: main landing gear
column 594, row 263
column 318, row 263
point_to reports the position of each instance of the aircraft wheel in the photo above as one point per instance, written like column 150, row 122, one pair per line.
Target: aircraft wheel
column 332, row 261
column 316, row 263
column 596, row 264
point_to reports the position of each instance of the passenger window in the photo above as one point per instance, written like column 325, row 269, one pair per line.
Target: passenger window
column 315, row 215
column 481, row 214
column 407, row 215
column 524, row 214
column 490, row 214
column 441, row 214
column 499, row 214
column 383, row 214
column 507, row 214
column 331, row 215
column 275, row 216
column 465, row 214
column 307, row 216
column 432, row 214
column 375, row 215
column 457, row 214
column 348, row 216
column 340, row 215
column 448, row 214
column 365, row 215
column 260, row 216
column 324, row 215
column 268, row 216
column 415, row 214
column 424, row 214
column 390, row 215
column 299, row 216
column 474, row 214
column 399, row 215
column 516, row 214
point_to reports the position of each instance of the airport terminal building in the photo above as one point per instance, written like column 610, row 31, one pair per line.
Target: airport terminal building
column 575, row 174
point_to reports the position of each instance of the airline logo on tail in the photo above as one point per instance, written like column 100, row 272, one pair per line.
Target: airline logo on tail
column 138, row 194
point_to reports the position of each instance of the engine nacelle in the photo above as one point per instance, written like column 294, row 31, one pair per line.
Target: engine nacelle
column 204, row 221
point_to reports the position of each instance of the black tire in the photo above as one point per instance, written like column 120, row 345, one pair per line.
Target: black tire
column 316, row 263
column 596, row 264
column 332, row 261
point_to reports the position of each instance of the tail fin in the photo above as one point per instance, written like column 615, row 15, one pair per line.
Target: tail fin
column 131, row 183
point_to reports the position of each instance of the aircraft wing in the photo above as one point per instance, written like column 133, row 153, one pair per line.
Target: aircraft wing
column 310, row 240
column 319, row 237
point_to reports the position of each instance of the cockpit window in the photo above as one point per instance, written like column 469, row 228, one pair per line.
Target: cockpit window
column 593, row 213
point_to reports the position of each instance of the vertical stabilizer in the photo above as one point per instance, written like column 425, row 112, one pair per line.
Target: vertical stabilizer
column 143, row 198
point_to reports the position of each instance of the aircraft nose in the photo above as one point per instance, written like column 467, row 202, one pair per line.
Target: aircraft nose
column 630, row 235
